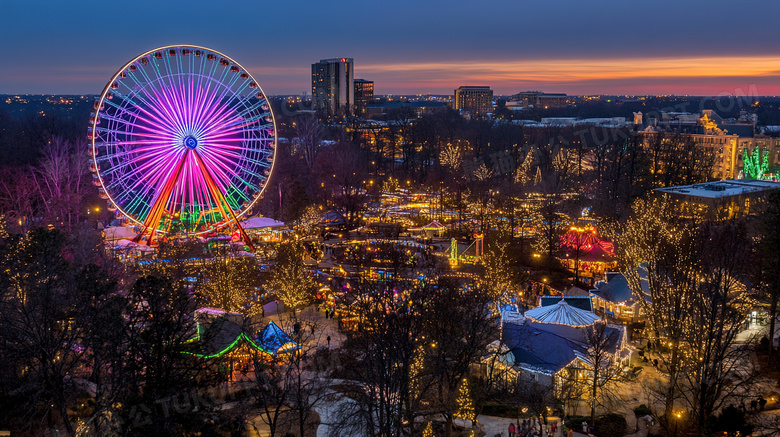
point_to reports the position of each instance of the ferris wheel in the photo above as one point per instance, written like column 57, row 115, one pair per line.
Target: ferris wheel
column 182, row 139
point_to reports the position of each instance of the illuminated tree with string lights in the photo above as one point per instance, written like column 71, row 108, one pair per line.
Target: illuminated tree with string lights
column 428, row 431
column 451, row 157
column 656, row 239
column 689, row 277
column 755, row 164
column 290, row 280
column 227, row 281
column 483, row 172
column 308, row 222
column 523, row 171
column 416, row 372
column 465, row 405
column 501, row 277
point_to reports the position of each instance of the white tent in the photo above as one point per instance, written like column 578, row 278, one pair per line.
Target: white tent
column 119, row 233
column 563, row 314
column 124, row 244
column 261, row 222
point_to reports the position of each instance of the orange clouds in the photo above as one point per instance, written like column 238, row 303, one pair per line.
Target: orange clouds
column 629, row 74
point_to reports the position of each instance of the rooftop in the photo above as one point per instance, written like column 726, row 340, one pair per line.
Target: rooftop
column 724, row 188
column 563, row 314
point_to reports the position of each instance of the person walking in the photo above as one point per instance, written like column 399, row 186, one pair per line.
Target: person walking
column 511, row 430
column 329, row 341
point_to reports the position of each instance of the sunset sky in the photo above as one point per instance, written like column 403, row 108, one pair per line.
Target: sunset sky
column 431, row 46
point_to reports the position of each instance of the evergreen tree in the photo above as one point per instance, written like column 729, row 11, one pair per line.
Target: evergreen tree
column 465, row 405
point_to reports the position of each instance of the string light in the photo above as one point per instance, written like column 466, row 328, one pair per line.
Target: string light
column 290, row 279
column 465, row 405
column 428, row 431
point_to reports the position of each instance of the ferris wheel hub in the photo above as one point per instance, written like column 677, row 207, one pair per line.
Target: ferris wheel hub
column 190, row 142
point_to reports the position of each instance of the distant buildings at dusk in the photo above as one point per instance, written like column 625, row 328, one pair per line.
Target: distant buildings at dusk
column 333, row 86
column 477, row 100
column 336, row 93
column 537, row 99
column 364, row 94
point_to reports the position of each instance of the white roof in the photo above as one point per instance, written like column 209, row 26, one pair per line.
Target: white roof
column 724, row 188
column 125, row 243
column 512, row 317
column 119, row 233
column 261, row 222
column 214, row 311
column 563, row 314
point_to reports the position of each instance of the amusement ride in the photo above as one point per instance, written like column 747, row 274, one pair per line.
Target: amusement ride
column 182, row 140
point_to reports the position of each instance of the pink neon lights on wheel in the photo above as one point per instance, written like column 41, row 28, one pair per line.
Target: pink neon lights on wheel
column 182, row 138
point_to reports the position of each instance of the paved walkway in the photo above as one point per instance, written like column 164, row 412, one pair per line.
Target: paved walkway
column 324, row 327
column 753, row 333
column 494, row 426
column 642, row 424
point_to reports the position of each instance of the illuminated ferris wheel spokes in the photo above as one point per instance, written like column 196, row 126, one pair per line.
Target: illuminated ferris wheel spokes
column 184, row 136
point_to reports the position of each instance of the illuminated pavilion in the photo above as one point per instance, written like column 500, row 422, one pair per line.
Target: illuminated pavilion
column 222, row 335
column 549, row 344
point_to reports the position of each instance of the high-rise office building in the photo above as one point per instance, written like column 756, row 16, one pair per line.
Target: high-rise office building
column 332, row 86
column 476, row 99
column 364, row 94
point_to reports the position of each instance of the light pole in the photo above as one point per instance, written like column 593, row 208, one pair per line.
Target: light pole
column 677, row 417
column 577, row 245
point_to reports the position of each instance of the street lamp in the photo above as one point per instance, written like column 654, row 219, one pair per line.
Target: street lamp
column 677, row 417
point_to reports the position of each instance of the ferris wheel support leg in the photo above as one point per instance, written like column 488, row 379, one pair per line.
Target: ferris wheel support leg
column 158, row 207
column 227, row 211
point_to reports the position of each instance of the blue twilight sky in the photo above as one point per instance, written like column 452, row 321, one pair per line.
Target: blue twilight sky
column 420, row 46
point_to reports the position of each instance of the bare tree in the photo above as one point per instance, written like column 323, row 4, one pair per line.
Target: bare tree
column 51, row 314
column 604, row 362
column 290, row 384
column 309, row 133
column 718, row 369
column 343, row 168
column 61, row 181
column 550, row 223
column 768, row 227
column 380, row 359
column 460, row 325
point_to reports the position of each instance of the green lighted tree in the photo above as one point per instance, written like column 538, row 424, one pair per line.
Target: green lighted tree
column 754, row 164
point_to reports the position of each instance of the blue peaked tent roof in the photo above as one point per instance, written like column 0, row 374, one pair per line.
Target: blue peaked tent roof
column 547, row 348
column 616, row 289
column 272, row 338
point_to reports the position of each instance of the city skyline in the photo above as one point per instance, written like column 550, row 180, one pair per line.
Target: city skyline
column 411, row 48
